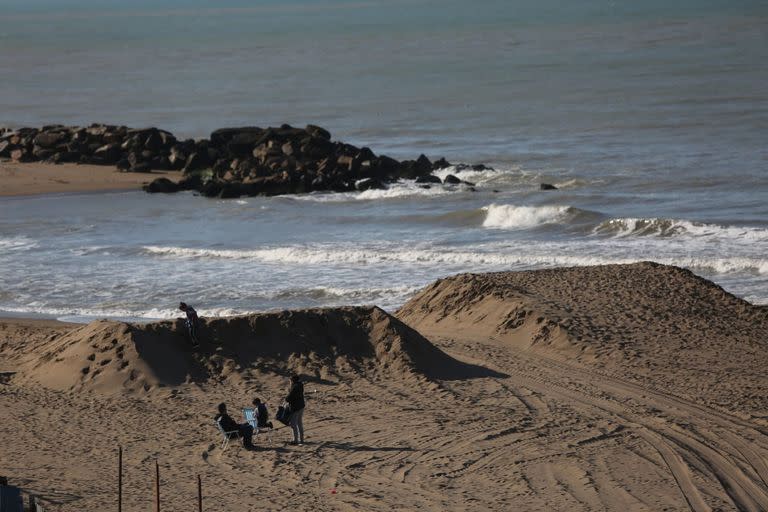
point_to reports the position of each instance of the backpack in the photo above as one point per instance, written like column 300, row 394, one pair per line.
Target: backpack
column 283, row 414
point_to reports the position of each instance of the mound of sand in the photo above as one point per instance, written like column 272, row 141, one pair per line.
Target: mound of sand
column 112, row 357
column 660, row 324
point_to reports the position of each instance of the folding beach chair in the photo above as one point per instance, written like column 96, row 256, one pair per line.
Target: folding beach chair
column 250, row 417
column 227, row 435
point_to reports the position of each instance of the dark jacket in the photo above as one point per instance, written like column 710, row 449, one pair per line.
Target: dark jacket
column 295, row 397
column 262, row 415
column 227, row 423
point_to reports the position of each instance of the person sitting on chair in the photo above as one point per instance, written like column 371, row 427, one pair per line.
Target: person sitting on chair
column 261, row 414
column 244, row 430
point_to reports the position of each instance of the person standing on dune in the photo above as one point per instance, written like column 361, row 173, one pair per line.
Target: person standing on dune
column 192, row 321
column 296, row 403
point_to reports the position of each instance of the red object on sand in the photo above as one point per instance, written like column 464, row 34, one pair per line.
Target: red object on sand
column 333, row 491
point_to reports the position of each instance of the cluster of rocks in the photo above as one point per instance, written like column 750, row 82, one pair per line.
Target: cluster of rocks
column 233, row 162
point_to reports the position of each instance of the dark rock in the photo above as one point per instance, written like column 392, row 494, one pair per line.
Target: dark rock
column 423, row 163
column 153, row 142
column 440, row 164
column 123, row 164
column 5, row 149
column 369, row 184
column 211, row 188
column 232, row 190
column 177, row 157
column 238, row 141
column 39, row 153
column 451, row 180
column 429, row 178
column 109, row 153
column 221, row 166
column 196, row 161
column 481, row 167
column 135, row 159
column 547, row 186
column 161, row 185
column 49, row 139
column 316, row 131
column 365, row 154
column 160, row 163
column 317, row 148
column 21, row 155
column 288, row 148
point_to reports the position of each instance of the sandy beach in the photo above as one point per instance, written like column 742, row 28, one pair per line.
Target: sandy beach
column 41, row 178
column 622, row 387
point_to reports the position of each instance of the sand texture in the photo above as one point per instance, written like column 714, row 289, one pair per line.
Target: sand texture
column 631, row 388
column 39, row 178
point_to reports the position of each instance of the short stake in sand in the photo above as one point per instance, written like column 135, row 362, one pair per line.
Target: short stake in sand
column 199, row 494
column 157, row 487
column 120, row 479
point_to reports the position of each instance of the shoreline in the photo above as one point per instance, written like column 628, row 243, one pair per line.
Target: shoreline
column 34, row 179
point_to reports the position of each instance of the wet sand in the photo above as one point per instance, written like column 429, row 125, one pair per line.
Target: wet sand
column 38, row 178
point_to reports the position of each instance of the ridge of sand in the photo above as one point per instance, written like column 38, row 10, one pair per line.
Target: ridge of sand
column 113, row 357
column 41, row 178
column 657, row 324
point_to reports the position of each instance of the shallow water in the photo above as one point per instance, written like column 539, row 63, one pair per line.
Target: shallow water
column 651, row 118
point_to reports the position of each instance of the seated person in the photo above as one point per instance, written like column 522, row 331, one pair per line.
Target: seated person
column 261, row 414
column 244, row 430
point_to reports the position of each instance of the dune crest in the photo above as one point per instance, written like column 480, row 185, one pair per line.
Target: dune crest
column 112, row 357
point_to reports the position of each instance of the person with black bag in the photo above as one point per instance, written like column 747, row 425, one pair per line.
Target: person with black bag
column 296, row 404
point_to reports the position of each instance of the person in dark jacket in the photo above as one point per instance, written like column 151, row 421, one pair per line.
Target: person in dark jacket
column 192, row 321
column 295, row 401
column 261, row 414
column 244, row 430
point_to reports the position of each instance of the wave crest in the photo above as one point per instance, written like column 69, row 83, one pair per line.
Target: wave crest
column 506, row 216
column 661, row 227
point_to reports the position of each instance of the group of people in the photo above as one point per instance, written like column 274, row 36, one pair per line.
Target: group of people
column 296, row 404
column 294, row 399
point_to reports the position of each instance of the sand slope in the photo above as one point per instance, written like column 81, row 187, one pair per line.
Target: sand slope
column 657, row 324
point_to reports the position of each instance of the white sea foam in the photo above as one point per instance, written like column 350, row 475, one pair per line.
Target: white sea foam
column 325, row 295
column 481, row 177
column 401, row 189
column 489, row 260
column 624, row 227
column 80, row 314
column 507, row 216
column 17, row 243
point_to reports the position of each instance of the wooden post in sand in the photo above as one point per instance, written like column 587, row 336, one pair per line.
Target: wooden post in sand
column 157, row 487
column 120, row 479
column 199, row 494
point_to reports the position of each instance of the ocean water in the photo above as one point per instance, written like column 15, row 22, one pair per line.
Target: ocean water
column 651, row 117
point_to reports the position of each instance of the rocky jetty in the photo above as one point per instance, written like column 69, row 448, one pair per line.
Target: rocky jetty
column 233, row 162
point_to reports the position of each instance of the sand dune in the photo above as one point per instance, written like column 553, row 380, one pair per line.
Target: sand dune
column 657, row 324
column 636, row 387
column 116, row 357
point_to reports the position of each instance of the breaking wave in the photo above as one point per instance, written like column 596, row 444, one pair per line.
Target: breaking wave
column 506, row 216
column 625, row 227
column 475, row 260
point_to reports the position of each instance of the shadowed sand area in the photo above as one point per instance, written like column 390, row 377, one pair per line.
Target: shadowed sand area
column 627, row 387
